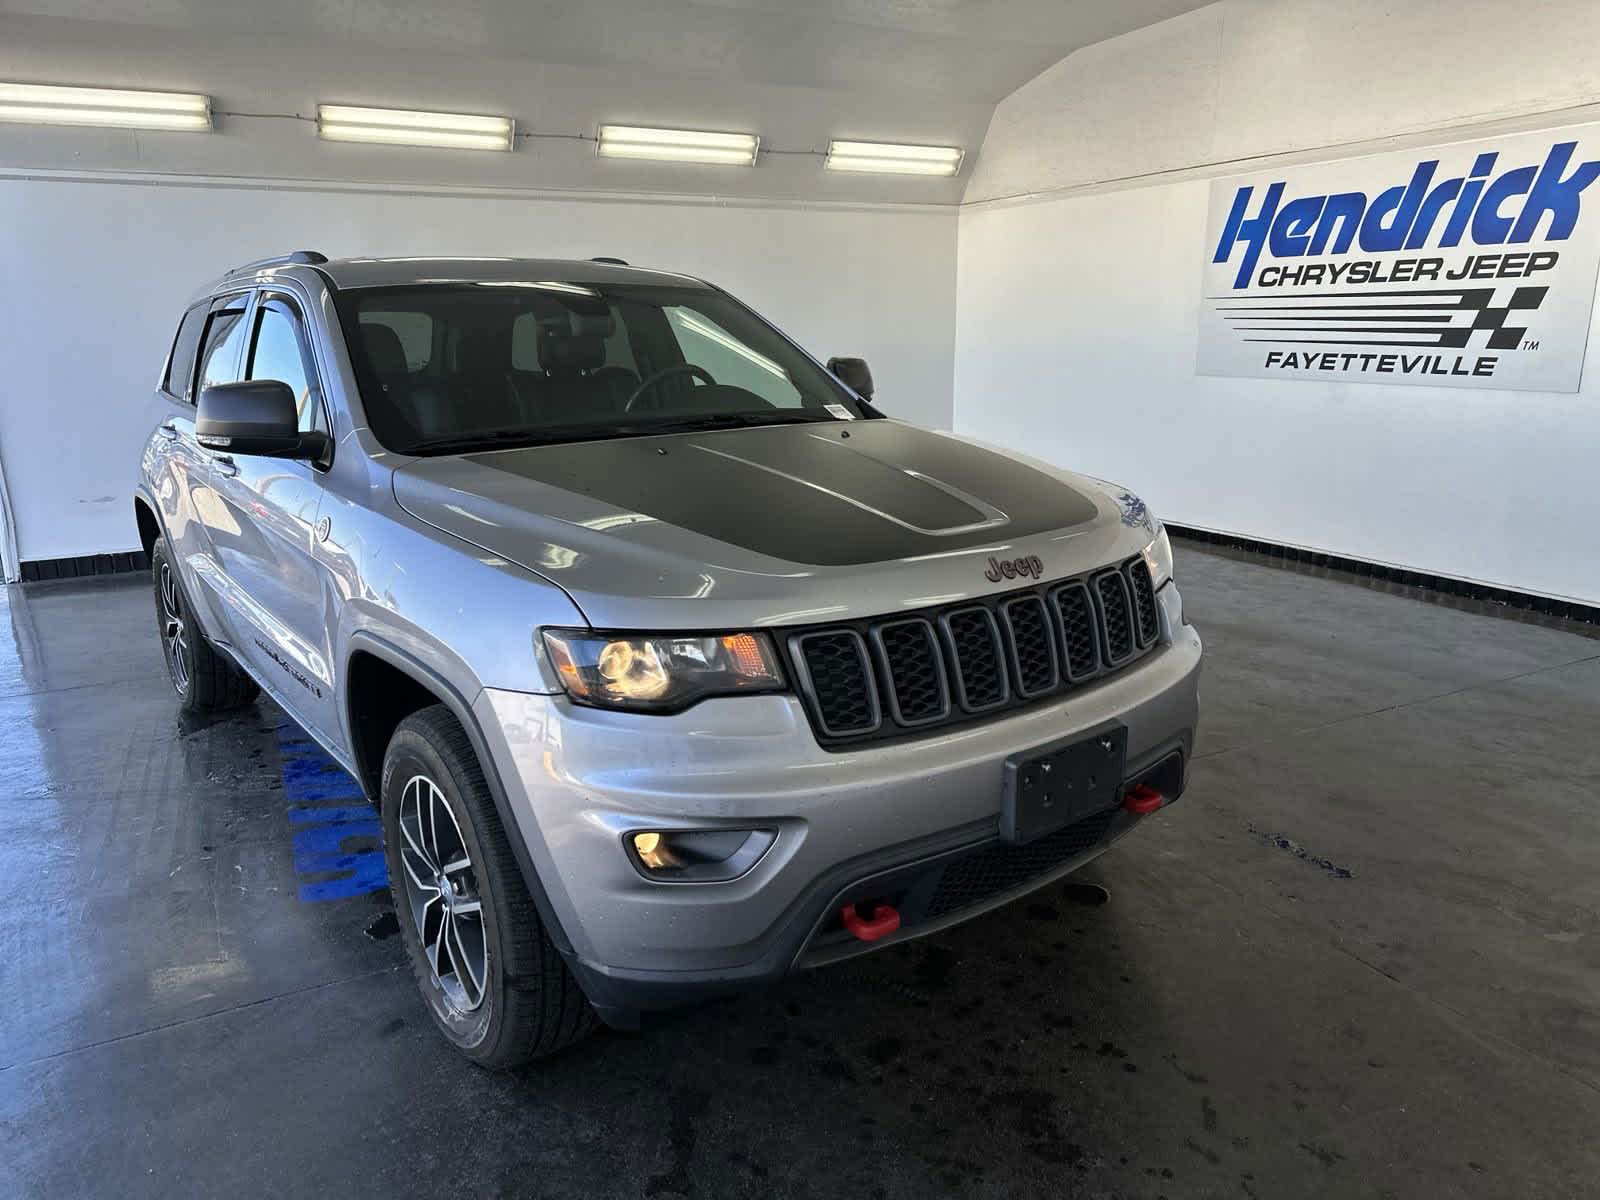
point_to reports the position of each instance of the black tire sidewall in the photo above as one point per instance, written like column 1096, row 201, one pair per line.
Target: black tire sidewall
column 411, row 753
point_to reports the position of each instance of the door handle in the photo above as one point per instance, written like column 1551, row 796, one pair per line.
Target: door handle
column 226, row 465
column 169, row 430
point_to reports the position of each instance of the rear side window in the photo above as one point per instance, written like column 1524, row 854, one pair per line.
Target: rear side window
column 180, row 366
column 219, row 360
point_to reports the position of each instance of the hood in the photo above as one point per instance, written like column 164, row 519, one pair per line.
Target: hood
column 785, row 524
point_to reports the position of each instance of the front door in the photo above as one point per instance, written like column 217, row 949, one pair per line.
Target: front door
column 264, row 534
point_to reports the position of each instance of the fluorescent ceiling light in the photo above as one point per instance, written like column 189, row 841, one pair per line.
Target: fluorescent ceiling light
column 46, row 104
column 399, row 127
column 678, row 145
column 892, row 159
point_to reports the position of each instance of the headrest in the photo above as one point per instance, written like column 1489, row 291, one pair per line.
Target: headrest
column 384, row 351
column 597, row 323
column 563, row 352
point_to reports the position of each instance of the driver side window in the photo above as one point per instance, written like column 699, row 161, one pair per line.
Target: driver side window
column 728, row 360
column 279, row 352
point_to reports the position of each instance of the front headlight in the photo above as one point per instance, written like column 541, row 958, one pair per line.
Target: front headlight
column 1158, row 557
column 655, row 672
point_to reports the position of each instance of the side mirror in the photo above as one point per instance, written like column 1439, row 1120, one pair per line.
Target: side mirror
column 254, row 416
column 855, row 374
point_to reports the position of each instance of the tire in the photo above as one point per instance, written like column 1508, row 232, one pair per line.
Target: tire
column 516, row 1001
column 206, row 680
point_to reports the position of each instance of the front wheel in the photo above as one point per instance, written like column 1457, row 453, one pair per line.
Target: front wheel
column 493, row 981
column 205, row 680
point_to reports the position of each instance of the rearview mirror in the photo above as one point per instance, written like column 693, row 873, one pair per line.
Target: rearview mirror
column 854, row 373
column 254, row 416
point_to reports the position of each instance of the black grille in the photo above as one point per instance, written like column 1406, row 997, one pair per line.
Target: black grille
column 909, row 655
column 1111, row 596
column 943, row 665
column 1080, row 641
column 999, row 868
column 975, row 646
column 1033, row 650
column 841, row 686
column 1145, row 625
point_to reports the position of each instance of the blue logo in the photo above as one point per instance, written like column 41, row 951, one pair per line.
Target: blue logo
column 1480, row 205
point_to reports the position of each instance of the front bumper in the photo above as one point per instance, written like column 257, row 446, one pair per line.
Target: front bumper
column 892, row 817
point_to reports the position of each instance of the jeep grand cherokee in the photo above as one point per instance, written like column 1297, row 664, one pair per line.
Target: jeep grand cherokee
column 671, row 663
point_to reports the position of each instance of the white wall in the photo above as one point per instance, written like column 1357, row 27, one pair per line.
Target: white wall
column 1067, row 320
column 1078, row 308
column 94, row 274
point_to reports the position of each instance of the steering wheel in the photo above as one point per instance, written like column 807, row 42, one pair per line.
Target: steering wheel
column 665, row 373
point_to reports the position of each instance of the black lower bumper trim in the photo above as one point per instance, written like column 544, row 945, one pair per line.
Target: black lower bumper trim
column 933, row 882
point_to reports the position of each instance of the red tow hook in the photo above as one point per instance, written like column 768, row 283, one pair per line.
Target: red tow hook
column 885, row 920
column 1143, row 799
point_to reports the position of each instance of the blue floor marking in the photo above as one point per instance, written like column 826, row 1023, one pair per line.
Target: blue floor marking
column 338, row 841
column 359, row 812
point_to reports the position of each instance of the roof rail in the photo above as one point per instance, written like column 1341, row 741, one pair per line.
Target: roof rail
column 617, row 262
column 304, row 258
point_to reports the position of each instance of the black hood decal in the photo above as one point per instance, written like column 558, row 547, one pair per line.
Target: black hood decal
column 809, row 494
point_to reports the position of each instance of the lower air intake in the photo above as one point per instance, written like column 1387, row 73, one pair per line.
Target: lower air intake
column 989, row 872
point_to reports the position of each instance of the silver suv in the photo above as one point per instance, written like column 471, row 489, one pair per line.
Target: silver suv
column 672, row 664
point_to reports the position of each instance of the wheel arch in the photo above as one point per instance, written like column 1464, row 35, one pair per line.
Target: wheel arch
column 144, row 515
column 383, row 685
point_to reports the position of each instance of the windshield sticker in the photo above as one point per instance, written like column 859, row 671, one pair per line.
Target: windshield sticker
column 840, row 411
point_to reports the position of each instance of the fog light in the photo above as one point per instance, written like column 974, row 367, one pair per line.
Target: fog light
column 697, row 855
column 652, row 852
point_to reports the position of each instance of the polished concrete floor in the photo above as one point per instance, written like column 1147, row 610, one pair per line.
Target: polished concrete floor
column 1361, row 958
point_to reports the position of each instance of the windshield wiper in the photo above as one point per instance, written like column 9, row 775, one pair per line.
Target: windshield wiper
column 491, row 438
column 505, row 437
column 733, row 421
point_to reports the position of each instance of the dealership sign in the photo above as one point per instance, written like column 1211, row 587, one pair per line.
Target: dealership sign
column 1471, row 265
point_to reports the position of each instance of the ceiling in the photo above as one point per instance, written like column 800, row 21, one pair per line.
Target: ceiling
column 969, row 49
column 796, row 71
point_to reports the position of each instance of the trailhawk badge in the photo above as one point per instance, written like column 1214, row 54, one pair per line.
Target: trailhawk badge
column 1014, row 568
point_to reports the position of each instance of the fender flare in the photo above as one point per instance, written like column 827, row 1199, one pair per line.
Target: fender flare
column 462, row 711
column 141, row 495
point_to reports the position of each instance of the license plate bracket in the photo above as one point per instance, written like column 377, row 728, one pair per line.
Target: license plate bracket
column 1053, row 786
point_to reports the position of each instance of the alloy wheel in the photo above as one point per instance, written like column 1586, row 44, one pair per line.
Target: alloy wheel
column 174, row 630
column 442, row 894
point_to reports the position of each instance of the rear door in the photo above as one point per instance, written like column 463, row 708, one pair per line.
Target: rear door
column 264, row 531
column 167, row 458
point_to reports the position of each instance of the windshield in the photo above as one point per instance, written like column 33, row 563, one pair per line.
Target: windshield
column 448, row 367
